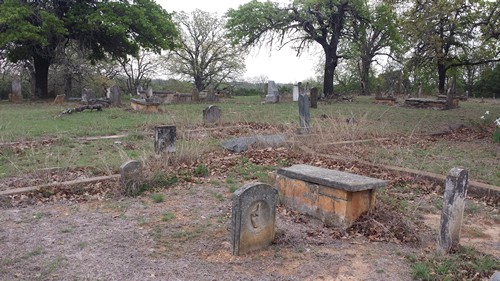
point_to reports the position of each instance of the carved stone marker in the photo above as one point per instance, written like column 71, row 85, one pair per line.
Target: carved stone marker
column 131, row 177
column 88, row 96
column 314, row 97
column 295, row 93
column 115, row 96
column 304, row 114
column 253, row 219
column 16, row 95
column 149, row 92
column 165, row 138
column 211, row 114
column 273, row 95
column 453, row 210
column 59, row 99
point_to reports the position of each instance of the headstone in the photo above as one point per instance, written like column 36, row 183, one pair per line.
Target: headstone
column 212, row 97
column 88, row 96
column 453, row 210
column 295, row 93
column 131, row 177
column 115, row 96
column 495, row 276
column 16, row 95
column 304, row 114
column 253, row 218
column 139, row 90
column 59, row 99
column 273, row 95
column 165, row 138
column 149, row 93
column 314, row 97
column 211, row 114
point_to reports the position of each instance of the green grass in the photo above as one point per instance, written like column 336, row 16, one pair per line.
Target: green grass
column 36, row 121
column 168, row 217
column 157, row 197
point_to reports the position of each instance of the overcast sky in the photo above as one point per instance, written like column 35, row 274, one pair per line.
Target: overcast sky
column 281, row 66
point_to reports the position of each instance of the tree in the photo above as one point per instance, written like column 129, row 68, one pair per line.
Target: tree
column 301, row 23
column 374, row 33
column 450, row 34
column 140, row 69
column 37, row 30
column 205, row 55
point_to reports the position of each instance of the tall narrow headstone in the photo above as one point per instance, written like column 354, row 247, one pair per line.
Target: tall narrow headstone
column 165, row 138
column 253, row 218
column 115, row 96
column 211, row 114
column 272, row 92
column 453, row 210
column 295, row 93
column 304, row 114
column 131, row 177
column 16, row 95
column 88, row 96
column 149, row 92
column 314, row 97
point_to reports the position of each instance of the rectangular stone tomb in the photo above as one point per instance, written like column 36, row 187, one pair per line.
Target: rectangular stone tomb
column 336, row 198
column 144, row 105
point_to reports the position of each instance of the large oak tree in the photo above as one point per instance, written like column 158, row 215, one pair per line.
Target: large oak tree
column 37, row 30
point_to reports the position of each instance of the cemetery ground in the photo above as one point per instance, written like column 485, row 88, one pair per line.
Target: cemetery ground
column 178, row 227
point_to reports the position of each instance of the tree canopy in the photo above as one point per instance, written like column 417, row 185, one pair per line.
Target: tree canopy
column 205, row 56
column 34, row 31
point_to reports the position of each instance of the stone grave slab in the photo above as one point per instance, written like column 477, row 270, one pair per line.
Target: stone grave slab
column 165, row 139
column 253, row 218
column 211, row 114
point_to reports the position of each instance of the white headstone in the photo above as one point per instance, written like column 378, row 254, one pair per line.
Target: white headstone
column 295, row 92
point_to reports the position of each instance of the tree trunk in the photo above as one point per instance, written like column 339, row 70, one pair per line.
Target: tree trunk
column 42, row 65
column 330, row 65
column 441, row 78
column 365, row 75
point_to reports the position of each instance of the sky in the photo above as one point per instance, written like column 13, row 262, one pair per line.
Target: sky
column 282, row 66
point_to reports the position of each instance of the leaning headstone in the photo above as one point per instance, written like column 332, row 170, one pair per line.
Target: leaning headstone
column 59, row 99
column 314, row 97
column 272, row 92
column 304, row 114
column 165, row 138
column 16, row 95
column 453, row 210
column 131, row 177
column 211, row 114
column 115, row 96
column 253, row 218
column 295, row 93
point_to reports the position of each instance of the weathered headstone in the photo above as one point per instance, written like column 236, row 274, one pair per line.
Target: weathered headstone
column 304, row 114
column 131, row 177
column 295, row 93
column 115, row 96
column 211, row 114
column 165, row 138
column 149, row 92
column 253, row 218
column 59, row 99
column 88, row 96
column 453, row 210
column 314, row 97
column 16, row 95
column 273, row 95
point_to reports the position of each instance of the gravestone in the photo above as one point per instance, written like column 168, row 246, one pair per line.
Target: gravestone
column 273, row 95
column 131, row 177
column 295, row 93
column 314, row 97
column 165, row 138
column 16, row 95
column 115, row 96
column 304, row 114
column 212, row 97
column 211, row 114
column 59, row 99
column 88, row 96
column 149, row 93
column 139, row 90
column 253, row 218
column 453, row 210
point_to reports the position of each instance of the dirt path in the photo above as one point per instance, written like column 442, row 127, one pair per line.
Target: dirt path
column 134, row 239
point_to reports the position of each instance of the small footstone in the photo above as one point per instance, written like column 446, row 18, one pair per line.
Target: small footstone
column 131, row 177
column 253, row 218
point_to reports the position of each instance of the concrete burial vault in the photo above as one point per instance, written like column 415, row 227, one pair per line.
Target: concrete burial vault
column 336, row 198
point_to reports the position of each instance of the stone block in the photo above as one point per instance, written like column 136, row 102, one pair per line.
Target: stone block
column 59, row 99
column 253, row 218
column 131, row 177
column 165, row 139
